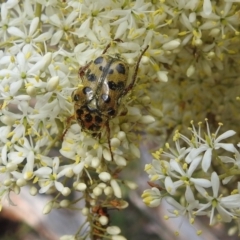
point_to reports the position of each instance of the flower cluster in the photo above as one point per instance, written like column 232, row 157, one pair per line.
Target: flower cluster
column 197, row 176
column 189, row 71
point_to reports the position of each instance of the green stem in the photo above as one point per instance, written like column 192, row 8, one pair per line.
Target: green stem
column 38, row 10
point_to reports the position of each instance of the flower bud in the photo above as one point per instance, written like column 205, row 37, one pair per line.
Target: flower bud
column 68, row 237
column 48, row 208
column 95, row 162
column 120, row 161
column 16, row 189
column 85, row 211
column 11, row 166
column 171, row 45
column 116, row 189
column 81, row 187
column 33, row 191
column 108, row 191
column 115, row 142
column 118, row 237
column 107, row 155
column 104, row 176
column 103, row 220
column 102, row 185
column 121, row 135
column 135, row 150
column 52, row 84
column 31, row 91
column 131, row 185
column 113, row 230
column 64, row 203
column 147, row 119
column 7, row 120
column 97, row 191
column 190, row 71
column 21, row 182
column 66, row 191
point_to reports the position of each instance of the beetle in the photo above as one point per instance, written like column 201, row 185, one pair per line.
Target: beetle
column 104, row 83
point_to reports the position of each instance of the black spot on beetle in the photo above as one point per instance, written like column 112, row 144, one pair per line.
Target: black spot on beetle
column 76, row 97
column 120, row 85
column 94, row 128
column 106, row 98
column 121, row 68
column 112, row 85
column 110, row 71
column 87, row 90
column 79, row 112
column 98, row 60
column 88, row 117
column 91, row 77
column 111, row 112
column 98, row 119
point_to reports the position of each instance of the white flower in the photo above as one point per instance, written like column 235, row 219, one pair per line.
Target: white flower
column 188, row 209
column 207, row 145
column 185, row 176
column 152, row 197
column 52, row 179
column 224, row 205
column 31, row 37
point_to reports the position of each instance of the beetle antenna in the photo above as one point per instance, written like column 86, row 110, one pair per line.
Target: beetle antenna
column 130, row 86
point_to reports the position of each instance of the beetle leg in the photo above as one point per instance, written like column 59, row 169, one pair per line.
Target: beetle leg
column 68, row 126
column 108, row 137
column 130, row 86
column 109, row 45
column 82, row 70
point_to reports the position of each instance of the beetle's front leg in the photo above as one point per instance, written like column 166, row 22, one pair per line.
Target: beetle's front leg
column 82, row 70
